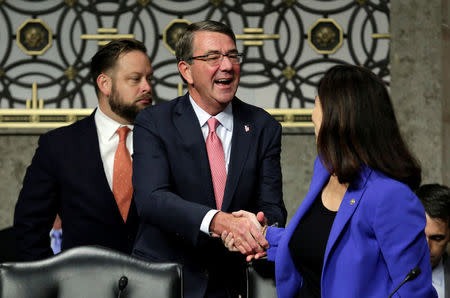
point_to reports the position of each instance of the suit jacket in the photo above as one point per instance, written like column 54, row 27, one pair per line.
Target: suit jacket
column 174, row 191
column 66, row 177
column 377, row 237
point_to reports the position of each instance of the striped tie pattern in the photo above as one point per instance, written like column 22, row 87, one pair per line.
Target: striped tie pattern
column 216, row 159
column 122, row 186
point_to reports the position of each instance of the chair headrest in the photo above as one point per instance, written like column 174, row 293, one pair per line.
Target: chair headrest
column 92, row 270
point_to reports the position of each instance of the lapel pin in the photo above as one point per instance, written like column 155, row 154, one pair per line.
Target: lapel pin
column 352, row 202
column 247, row 128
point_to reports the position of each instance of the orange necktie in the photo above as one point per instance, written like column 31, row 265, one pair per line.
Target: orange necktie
column 122, row 186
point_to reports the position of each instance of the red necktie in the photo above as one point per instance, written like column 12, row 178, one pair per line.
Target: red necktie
column 216, row 161
column 122, row 186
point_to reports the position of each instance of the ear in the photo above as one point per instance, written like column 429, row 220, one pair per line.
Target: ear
column 185, row 70
column 104, row 83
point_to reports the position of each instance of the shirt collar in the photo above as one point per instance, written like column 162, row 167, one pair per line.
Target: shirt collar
column 225, row 117
column 106, row 127
column 438, row 271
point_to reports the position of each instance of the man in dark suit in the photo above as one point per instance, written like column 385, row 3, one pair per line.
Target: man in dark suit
column 436, row 200
column 199, row 157
column 75, row 168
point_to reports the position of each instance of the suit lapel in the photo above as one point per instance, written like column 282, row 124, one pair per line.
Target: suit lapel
column 189, row 130
column 243, row 136
column 89, row 149
column 346, row 210
column 187, row 124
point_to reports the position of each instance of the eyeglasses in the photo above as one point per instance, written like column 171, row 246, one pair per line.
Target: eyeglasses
column 216, row 58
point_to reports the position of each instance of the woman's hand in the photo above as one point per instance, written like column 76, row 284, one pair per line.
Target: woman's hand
column 228, row 241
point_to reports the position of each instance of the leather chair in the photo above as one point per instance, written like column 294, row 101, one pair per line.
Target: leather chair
column 261, row 279
column 90, row 271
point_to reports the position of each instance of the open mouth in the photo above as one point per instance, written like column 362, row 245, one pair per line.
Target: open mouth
column 224, row 82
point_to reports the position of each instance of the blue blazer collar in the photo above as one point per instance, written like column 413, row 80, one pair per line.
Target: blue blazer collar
column 348, row 206
column 284, row 260
column 346, row 210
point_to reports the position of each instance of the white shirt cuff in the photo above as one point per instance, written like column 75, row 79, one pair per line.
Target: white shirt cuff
column 204, row 227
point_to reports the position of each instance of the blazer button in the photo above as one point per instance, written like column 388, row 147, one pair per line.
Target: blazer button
column 352, row 202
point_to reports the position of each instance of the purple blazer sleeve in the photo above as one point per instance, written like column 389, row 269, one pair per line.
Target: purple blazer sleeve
column 273, row 236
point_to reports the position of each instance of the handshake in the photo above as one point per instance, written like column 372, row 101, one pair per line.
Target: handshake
column 242, row 231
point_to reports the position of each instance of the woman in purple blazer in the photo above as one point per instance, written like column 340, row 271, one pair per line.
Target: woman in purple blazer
column 360, row 229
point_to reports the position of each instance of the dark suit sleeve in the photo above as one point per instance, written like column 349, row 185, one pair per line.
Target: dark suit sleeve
column 35, row 209
column 155, row 198
column 270, row 198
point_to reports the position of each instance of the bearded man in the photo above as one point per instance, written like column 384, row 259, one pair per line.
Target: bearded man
column 82, row 172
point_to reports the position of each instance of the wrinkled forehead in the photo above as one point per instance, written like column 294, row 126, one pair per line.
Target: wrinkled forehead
column 212, row 41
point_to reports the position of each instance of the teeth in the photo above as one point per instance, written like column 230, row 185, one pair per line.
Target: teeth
column 223, row 81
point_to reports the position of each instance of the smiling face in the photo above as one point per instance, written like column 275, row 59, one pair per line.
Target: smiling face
column 211, row 86
column 127, row 87
column 438, row 235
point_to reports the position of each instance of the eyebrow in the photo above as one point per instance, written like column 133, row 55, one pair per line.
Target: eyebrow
column 437, row 235
column 233, row 51
column 140, row 73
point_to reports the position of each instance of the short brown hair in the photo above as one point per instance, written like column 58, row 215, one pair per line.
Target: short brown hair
column 107, row 56
column 359, row 127
column 184, row 47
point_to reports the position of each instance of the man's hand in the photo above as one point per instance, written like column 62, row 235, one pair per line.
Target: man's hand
column 259, row 220
column 245, row 229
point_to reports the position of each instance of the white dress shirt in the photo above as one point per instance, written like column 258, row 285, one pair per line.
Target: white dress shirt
column 438, row 279
column 108, row 140
column 225, row 132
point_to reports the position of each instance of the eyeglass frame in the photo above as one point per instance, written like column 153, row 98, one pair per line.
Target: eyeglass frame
column 204, row 58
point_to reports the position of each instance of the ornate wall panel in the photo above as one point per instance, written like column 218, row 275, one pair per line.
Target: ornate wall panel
column 46, row 46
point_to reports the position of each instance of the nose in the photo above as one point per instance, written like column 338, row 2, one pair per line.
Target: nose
column 146, row 86
column 225, row 63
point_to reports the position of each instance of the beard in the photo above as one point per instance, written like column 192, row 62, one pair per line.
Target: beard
column 127, row 111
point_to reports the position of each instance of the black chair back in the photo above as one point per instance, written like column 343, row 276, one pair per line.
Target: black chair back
column 7, row 247
column 90, row 271
column 261, row 279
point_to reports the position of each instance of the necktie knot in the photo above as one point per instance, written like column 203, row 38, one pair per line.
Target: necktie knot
column 212, row 124
column 123, row 133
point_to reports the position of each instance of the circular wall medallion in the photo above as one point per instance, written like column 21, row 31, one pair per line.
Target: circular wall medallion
column 172, row 33
column 34, row 37
column 325, row 36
